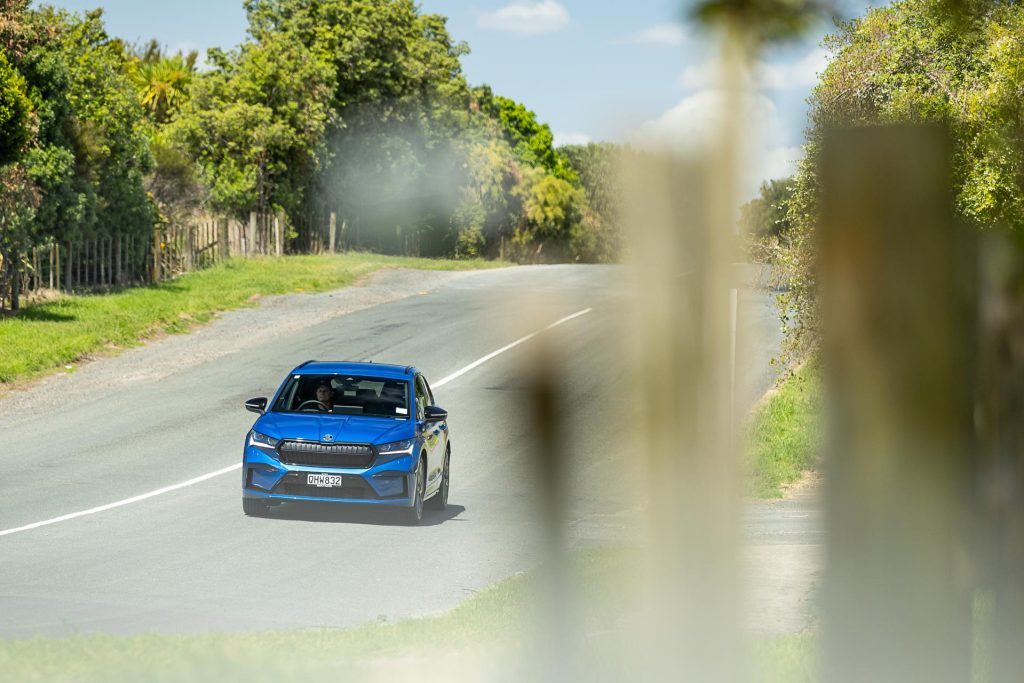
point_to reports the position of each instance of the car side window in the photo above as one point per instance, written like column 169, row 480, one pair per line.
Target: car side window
column 421, row 396
column 430, row 392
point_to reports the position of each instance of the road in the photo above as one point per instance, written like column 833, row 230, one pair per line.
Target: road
column 187, row 560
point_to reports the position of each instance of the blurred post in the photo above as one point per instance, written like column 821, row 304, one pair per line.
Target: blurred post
column 559, row 636
column 1001, row 435
column 681, row 221
column 897, row 306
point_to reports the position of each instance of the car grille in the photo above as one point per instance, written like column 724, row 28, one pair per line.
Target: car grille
column 295, row 485
column 325, row 454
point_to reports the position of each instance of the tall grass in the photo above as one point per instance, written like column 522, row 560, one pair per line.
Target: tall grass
column 784, row 434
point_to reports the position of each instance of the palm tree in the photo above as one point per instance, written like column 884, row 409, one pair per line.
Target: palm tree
column 162, row 81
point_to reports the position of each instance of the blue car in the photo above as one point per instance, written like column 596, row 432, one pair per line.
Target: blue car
column 362, row 433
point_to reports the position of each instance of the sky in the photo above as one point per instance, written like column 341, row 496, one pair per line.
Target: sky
column 619, row 70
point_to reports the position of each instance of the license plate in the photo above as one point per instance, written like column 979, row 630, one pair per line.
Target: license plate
column 323, row 480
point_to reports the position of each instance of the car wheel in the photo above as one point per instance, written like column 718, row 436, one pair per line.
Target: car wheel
column 254, row 507
column 440, row 499
column 414, row 514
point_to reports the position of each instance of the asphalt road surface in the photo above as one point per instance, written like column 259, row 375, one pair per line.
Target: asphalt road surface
column 123, row 430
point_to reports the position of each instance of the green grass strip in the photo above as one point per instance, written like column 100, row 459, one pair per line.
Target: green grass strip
column 784, row 434
column 51, row 335
column 499, row 617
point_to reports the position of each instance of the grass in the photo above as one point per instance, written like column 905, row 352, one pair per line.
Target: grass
column 784, row 434
column 787, row 659
column 52, row 335
column 490, row 622
column 490, row 635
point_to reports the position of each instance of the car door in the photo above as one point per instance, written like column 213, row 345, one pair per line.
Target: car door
column 442, row 444
column 431, row 433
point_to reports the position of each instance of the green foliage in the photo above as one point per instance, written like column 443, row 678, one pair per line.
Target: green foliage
column 785, row 434
column 598, row 237
column 767, row 215
column 352, row 107
column 162, row 82
column 532, row 141
column 255, row 125
column 14, row 110
column 83, row 164
column 919, row 61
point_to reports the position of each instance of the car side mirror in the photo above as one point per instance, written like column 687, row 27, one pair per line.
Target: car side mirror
column 435, row 414
column 256, row 405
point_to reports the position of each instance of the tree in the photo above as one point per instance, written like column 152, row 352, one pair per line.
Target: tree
column 162, row 81
column 598, row 237
column 14, row 111
column 915, row 61
column 532, row 141
column 255, row 125
column 82, row 165
column 767, row 216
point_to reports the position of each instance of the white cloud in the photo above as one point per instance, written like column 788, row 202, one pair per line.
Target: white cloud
column 800, row 74
column 659, row 34
column 778, row 162
column 571, row 139
column 524, row 16
column 692, row 126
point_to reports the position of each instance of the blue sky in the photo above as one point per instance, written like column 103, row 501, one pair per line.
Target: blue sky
column 592, row 69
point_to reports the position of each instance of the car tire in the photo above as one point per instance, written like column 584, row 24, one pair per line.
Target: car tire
column 253, row 507
column 414, row 514
column 439, row 501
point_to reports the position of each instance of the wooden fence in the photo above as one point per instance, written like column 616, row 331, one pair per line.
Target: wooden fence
column 109, row 261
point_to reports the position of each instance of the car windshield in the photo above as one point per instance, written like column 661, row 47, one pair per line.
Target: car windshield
column 344, row 395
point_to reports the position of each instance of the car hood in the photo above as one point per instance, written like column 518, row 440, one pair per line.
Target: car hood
column 340, row 428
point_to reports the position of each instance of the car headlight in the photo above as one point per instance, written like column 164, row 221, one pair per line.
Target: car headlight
column 262, row 440
column 395, row 449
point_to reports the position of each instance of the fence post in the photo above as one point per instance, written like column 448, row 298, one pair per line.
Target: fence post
column 251, row 236
column 333, row 231
column 155, row 275
column 278, row 246
column 895, row 277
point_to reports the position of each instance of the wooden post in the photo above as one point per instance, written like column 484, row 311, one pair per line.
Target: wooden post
column 278, row 245
column 332, row 243
column 250, row 247
column 898, row 319
column 155, row 272
column 118, row 262
column 225, row 240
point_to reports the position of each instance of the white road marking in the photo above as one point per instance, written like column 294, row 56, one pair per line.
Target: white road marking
column 238, row 466
column 126, row 501
column 503, row 349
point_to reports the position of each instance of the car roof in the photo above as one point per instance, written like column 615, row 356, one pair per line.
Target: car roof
column 383, row 370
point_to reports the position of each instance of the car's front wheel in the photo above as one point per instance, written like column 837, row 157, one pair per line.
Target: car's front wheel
column 253, row 507
column 414, row 514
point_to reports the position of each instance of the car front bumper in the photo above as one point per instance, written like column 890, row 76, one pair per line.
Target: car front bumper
column 267, row 478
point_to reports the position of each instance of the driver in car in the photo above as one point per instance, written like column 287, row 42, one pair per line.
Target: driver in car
column 325, row 395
